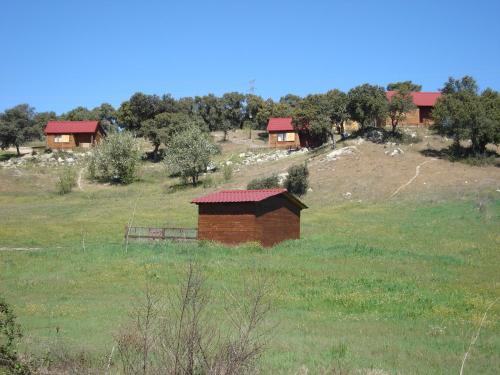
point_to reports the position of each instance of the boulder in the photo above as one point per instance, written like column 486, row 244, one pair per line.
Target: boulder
column 349, row 150
column 282, row 177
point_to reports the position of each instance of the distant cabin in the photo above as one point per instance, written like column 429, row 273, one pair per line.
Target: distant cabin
column 267, row 216
column 282, row 133
column 73, row 134
column 425, row 102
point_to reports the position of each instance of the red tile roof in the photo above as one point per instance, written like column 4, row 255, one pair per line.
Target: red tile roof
column 277, row 124
column 71, row 127
column 420, row 99
column 237, row 196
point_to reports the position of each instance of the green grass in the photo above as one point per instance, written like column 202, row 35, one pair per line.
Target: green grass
column 397, row 286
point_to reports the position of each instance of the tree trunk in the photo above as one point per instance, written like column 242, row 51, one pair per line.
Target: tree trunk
column 18, row 152
column 195, row 180
column 155, row 152
column 394, row 124
column 225, row 135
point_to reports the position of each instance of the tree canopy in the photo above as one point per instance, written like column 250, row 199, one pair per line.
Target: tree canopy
column 189, row 153
column 404, row 86
column 18, row 126
column 367, row 104
column 462, row 114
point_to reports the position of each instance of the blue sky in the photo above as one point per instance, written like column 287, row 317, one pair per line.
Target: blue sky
column 56, row 55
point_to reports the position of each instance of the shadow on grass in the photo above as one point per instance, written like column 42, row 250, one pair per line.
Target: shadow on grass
column 263, row 136
column 382, row 135
column 170, row 189
column 464, row 155
column 4, row 156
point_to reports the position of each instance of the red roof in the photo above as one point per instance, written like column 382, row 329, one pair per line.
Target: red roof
column 71, row 127
column 276, row 124
column 420, row 99
column 238, row 196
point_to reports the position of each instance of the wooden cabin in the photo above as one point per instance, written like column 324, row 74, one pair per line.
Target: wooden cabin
column 68, row 135
column 422, row 115
column 267, row 216
column 282, row 133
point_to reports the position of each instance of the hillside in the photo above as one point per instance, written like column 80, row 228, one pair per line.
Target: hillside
column 397, row 263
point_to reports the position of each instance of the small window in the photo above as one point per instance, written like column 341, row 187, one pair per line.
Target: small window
column 290, row 137
column 281, row 137
column 61, row 138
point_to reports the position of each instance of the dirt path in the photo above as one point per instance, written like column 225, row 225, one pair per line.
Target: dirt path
column 20, row 248
column 417, row 172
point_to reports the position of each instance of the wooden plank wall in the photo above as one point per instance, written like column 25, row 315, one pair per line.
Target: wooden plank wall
column 229, row 223
column 278, row 220
column 273, row 141
column 60, row 145
column 74, row 140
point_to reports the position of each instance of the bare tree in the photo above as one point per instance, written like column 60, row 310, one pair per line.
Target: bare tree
column 179, row 335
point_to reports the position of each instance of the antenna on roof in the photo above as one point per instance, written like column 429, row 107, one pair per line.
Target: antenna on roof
column 251, row 86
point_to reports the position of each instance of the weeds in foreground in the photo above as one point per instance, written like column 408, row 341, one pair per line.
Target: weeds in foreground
column 176, row 335
column 66, row 180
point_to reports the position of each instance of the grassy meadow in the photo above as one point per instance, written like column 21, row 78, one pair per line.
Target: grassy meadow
column 397, row 286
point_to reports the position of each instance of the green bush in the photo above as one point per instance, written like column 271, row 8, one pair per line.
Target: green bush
column 10, row 333
column 264, row 183
column 227, row 172
column 209, row 182
column 115, row 159
column 66, row 180
column 297, row 179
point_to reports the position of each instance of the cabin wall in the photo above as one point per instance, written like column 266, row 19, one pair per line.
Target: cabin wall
column 229, row 223
column 277, row 220
column 274, row 143
column 83, row 140
column 52, row 144
column 420, row 116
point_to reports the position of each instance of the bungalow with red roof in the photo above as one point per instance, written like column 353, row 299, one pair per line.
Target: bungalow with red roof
column 282, row 134
column 267, row 216
column 72, row 134
column 425, row 102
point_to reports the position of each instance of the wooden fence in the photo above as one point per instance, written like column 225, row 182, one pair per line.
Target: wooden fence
column 158, row 234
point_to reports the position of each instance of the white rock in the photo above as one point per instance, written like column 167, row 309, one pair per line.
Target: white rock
column 229, row 162
column 359, row 141
column 210, row 166
column 310, row 190
column 347, row 195
column 396, row 151
column 242, row 155
column 282, row 177
column 349, row 150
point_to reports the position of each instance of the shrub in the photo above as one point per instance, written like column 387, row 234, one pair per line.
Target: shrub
column 115, row 159
column 209, row 182
column 66, row 180
column 10, row 332
column 297, row 179
column 227, row 172
column 264, row 183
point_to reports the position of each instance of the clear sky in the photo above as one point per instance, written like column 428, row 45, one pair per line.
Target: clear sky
column 56, row 55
